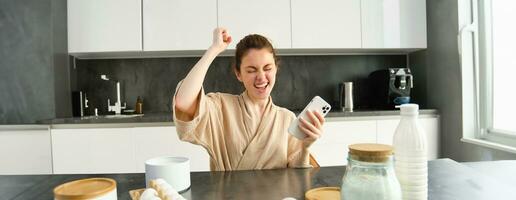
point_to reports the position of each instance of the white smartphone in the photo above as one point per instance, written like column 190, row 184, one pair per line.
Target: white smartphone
column 317, row 104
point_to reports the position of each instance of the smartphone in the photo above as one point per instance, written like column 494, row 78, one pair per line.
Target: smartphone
column 317, row 104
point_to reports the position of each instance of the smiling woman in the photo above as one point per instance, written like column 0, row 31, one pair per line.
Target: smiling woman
column 256, row 56
column 245, row 131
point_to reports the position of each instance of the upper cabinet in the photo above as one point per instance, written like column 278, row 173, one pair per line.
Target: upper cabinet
column 393, row 24
column 270, row 18
column 326, row 24
column 104, row 25
column 178, row 24
column 134, row 28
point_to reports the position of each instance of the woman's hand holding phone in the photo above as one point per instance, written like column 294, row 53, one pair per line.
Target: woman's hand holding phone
column 308, row 126
column 312, row 128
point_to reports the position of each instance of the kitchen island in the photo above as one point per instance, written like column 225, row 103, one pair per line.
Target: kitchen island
column 447, row 180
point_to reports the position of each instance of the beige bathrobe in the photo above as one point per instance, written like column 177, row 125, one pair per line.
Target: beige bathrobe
column 236, row 138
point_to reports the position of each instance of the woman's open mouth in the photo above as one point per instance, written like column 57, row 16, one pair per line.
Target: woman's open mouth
column 261, row 86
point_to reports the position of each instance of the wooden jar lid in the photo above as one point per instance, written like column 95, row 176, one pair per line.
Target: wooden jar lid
column 84, row 188
column 323, row 193
column 370, row 152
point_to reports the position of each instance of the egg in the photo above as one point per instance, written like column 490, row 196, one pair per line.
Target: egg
column 172, row 195
column 154, row 183
column 149, row 194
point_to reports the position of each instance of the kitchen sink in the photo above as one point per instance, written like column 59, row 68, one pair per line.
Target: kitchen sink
column 121, row 116
column 111, row 116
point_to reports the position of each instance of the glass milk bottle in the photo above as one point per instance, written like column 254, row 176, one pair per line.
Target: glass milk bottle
column 410, row 154
column 370, row 174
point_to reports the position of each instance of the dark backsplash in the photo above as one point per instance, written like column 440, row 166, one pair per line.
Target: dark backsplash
column 155, row 79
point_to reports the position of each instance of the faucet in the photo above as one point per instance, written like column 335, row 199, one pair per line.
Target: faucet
column 117, row 108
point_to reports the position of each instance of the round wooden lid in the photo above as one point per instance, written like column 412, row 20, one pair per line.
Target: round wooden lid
column 370, row 152
column 326, row 193
column 84, row 188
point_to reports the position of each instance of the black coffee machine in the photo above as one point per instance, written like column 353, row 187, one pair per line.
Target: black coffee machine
column 390, row 87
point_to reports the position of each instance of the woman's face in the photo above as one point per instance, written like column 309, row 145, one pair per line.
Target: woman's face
column 258, row 73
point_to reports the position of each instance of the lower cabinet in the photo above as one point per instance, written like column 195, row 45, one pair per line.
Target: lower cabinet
column 25, row 151
column 93, row 150
column 125, row 150
column 332, row 148
column 163, row 141
column 119, row 150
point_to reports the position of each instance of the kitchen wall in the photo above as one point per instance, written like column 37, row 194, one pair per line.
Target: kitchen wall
column 155, row 79
column 439, row 68
column 33, row 61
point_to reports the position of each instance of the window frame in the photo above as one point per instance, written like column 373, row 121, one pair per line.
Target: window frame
column 476, row 58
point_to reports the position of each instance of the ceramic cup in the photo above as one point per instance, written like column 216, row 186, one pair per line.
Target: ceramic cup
column 174, row 170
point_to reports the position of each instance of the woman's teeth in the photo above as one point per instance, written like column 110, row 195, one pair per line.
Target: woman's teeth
column 263, row 85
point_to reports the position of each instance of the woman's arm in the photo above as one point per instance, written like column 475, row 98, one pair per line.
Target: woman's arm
column 186, row 98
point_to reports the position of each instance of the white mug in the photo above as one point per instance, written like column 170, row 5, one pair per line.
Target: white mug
column 174, row 170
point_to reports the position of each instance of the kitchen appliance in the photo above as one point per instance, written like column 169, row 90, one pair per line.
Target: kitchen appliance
column 352, row 95
column 390, row 87
column 346, row 96
column 79, row 103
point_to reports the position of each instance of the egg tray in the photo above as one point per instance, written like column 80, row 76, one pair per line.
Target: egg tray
column 135, row 194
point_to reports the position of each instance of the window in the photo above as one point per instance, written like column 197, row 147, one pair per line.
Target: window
column 487, row 45
column 504, row 65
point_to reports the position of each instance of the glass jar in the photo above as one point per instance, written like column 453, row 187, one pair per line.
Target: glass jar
column 370, row 174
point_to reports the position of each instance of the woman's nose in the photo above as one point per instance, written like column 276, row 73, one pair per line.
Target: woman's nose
column 260, row 75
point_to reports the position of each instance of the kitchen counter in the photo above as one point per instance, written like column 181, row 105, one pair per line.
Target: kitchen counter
column 447, row 180
column 167, row 117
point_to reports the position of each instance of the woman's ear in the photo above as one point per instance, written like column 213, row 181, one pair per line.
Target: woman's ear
column 237, row 74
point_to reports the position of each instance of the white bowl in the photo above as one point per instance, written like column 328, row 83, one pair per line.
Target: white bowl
column 174, row 170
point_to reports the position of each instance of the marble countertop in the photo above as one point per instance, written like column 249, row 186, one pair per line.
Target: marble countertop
column 167, row 117
column 447, row 180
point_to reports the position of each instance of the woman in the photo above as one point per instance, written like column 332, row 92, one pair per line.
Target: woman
column 246, row 131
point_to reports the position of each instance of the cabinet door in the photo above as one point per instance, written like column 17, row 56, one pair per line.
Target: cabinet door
column 95, row 150
column 393, row 23
column 104, row 25
column 326, row 24
column 163, row 141
column 386, row 129
column 332, row 148
column 25, row 152
column 270, row 18
column 178, row 24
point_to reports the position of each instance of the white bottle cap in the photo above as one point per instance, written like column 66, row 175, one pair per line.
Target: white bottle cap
column 409, row 109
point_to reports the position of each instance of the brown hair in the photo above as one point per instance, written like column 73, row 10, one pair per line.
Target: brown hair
column 252, row 41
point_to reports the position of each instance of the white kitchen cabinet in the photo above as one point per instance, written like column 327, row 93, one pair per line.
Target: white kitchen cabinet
column 93, row 150
column 163, row 141
column 136, row 28
column 386, row 129
column 326, row 24
column 270, row 18
column 171, row 25
column 119, row 150
column 104, row 25
column 393, row 24
column 25, row 152
column 332, row 148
